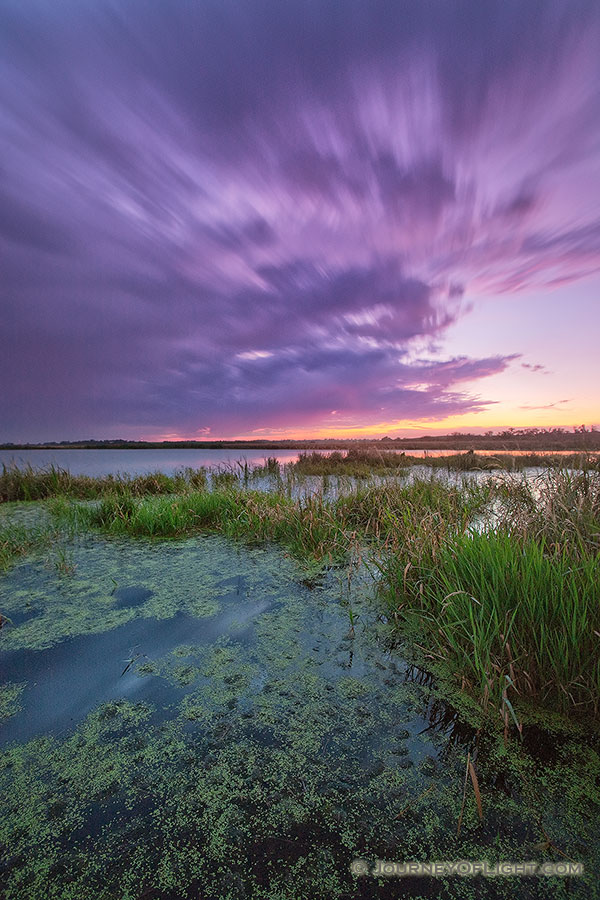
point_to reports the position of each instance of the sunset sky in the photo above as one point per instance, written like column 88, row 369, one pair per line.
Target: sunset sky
column 291, row 218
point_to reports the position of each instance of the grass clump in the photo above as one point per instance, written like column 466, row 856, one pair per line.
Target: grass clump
column 495, row 607
column 560, row 507
column 222, row 480
column 395, row 514
column 271, row 468
column 306, row 526
column 362, row 462
column 509, row 462
column 357, row 462
column 513, row 610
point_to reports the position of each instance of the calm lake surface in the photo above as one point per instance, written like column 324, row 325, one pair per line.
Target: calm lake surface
column 139, row 462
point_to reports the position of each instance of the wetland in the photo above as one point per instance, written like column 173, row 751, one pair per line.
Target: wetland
column 233, row 682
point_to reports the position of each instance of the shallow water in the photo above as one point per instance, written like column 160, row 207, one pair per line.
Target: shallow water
column 225, row 734
column 140, row 462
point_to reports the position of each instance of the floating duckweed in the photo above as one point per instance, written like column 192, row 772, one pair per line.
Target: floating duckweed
column 10, row 693
column 269, row 752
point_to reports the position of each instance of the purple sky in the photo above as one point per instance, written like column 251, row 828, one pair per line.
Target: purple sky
column 294, row 217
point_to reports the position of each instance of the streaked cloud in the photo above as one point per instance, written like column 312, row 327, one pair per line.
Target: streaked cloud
column 241, row 217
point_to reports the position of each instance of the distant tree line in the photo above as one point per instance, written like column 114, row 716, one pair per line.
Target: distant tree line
column 581, row 437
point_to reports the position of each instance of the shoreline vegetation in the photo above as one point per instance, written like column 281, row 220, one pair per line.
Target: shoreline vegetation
column 31, row 483
column 496, row 581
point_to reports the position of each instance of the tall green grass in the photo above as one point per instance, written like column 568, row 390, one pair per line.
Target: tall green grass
column 561, row 507
column 305, row 527
column 509, row 462
column 311, row 527
column 29, row 483
column 397, row 513
column 519, row 600
column 495, row 607
column 357, row 462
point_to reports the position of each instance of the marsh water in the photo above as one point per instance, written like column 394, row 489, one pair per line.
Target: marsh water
column 196, row 718
column 140, row 462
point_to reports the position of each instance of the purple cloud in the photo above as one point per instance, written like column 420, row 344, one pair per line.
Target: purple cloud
column 535, row 367
column 554, row 405
column 242, row 216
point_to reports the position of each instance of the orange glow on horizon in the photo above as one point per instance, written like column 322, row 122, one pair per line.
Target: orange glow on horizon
column 397, row 428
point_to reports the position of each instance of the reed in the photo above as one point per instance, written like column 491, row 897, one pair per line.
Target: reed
column 508, row 462
column 395, row 512
column 357, row 462
column 307, row 527
column 517, row 603
column 40, row 484
column 561, row 507
column 29, row 483
column 270, row 468
column 311, row 527
column 493, row 606
column 361, row 462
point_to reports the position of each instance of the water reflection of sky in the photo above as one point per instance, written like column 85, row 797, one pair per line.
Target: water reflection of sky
column 139, row 462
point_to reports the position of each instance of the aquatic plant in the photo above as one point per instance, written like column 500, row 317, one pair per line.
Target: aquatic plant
column 531, row 568
column 311, row 527
column 361, row 462
column 358, row 462
column 224, row 479
column 29, row 483
column 270, row 467
column 353, row 619
column 17, row 540
column 561, row 507
column 63, row 562
column 493, row 606
column 286, row 759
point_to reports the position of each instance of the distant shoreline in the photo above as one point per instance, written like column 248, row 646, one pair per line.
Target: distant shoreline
column 582, row 442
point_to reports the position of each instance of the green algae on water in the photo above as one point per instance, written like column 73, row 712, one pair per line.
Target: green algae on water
column 190, row 576
column 288, row 749
column 10, row 693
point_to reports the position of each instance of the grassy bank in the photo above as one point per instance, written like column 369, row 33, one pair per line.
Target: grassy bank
column 29, row 483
